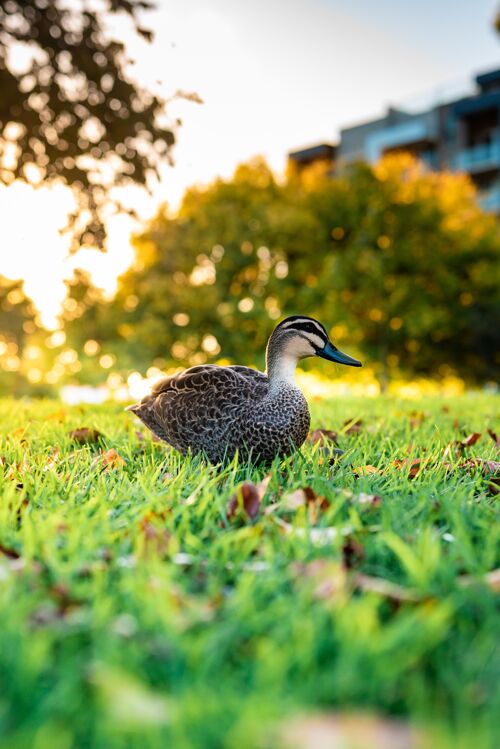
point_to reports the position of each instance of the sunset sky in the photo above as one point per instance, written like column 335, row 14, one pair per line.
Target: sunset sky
column 274, row 75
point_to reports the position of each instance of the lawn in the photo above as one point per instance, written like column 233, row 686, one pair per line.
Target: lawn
column 149, row 601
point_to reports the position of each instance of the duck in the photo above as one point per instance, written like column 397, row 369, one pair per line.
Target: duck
column 221, row 411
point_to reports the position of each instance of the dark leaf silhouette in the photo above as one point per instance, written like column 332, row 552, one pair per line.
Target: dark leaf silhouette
column 471, row 439
column 8, row 552
column 495, row 438
column 352, row 426
column 412, row 465
column 353, row 553
column 74, row 113
column 85, row 435
column 323, row 436
column 247, row 499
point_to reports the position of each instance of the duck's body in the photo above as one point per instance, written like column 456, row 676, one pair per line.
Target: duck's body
column 223, row 410
column 219, row 411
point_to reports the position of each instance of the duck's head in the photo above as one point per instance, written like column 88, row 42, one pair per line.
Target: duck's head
column 298, row 337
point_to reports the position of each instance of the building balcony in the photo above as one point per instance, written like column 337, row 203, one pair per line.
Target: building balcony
column 416, row 133
column 479, row 158
column 490, row 199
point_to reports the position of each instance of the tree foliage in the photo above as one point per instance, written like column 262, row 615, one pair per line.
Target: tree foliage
column 69, row 111
column 17, row 323
column 401, row 263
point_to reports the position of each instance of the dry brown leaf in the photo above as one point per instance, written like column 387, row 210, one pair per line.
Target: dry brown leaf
column 52, row 459
column 353, row 426
column 20, row 432
column 85, row 436
column 156, row 538
column 348, row 731
column 494, row 485
column 323, row 436
column 385, row 588
column 471, row 439
column 16, row 470
column 495, row 438
column 8, row 552
column 353, row 553
column 417, row 417
column 247, row 498
column 412, row 464
column 110, row 459
column 372, row 500
column 57, row 415
column 365, row 471
column 331, row 577
column 491, row 466
column 491, row 579
column 293, row 500
column 327, row 577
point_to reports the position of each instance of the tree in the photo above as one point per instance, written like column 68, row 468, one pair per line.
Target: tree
column 203, row 282
column 414, row 268
column 401, row 263
column 71, row 112
column 17, row 323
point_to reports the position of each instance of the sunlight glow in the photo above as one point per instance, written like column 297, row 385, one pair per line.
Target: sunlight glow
column 33, row 248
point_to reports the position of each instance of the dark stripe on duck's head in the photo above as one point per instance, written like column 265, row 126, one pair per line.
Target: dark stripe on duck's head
column 303, row 324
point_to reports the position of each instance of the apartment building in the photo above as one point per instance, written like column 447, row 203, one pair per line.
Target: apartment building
column 460, row 135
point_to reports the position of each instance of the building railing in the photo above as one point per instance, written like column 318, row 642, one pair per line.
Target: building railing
column 490, row 199
column 483, row 156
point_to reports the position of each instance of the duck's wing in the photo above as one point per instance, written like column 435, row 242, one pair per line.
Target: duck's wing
column 185, row 409
column 253, row 375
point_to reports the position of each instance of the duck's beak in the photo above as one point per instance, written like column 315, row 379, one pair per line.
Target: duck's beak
column 332, row 353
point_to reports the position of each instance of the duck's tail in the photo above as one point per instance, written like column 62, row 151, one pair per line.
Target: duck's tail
column 146, row 414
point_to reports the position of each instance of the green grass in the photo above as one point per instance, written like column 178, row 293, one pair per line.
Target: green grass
column 112, row 636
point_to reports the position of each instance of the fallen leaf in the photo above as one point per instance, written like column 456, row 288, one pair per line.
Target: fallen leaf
column 247, row 498
column 385, row 588
column 85, row 436
column 57, row 415
column 491, row 579
column 471, row 439
column 494, row 437
column 353, row 553
column 303, row 496
column 156, row 538
column 19, row 433
column 416, row 418
column 348, row 731
column 66, row 602
column 327, row 577
column 373, row 500
column 109, row 459
column 491, row 466
column 320, row 536
column 353, row 426
column 323, row 436
column 365, row 471
column 412, row 464
column 52, row 460
column 8, row 552
column 293, row 500
column 494, row 485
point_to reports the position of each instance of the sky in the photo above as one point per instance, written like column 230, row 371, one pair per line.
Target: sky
column 274, row 75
